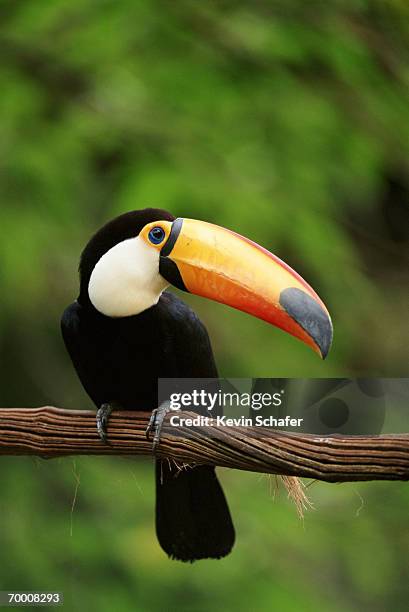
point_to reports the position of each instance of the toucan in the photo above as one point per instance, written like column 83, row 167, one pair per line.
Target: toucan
column 125, row 331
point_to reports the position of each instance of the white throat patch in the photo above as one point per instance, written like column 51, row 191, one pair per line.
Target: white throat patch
column 126, row 280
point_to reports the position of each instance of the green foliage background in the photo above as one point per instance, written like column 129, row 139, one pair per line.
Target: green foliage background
column 286, row 121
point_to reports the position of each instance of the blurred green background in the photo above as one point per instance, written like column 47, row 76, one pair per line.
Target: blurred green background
column 285, row 121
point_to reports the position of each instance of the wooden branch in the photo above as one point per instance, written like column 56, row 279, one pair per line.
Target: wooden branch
column 54, row 432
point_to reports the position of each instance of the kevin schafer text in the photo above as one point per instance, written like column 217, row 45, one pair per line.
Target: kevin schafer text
column 178, row 420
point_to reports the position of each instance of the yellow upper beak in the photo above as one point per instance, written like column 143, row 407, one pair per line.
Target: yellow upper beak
column 219, row 264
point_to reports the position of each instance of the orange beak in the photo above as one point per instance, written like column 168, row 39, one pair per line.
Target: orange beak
column 219, row 264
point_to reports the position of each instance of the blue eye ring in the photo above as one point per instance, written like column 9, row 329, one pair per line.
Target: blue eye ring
column 156, row 235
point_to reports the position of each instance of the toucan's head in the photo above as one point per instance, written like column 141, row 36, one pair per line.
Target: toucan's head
column 130, row 261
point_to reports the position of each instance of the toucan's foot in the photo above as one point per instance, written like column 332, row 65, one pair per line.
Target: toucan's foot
column 155, row 423
column 103, row 414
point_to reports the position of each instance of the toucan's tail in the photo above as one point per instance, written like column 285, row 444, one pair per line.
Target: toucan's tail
column 192, row 516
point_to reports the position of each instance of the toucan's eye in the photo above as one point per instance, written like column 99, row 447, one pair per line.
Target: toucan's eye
column 156, row 235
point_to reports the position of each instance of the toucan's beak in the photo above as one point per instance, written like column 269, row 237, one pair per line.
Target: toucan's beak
column 219, row 264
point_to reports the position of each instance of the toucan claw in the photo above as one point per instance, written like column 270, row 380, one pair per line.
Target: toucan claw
column 102, row 417
column 155, row 424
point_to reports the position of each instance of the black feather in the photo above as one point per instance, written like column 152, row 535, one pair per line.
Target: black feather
column 192, row 516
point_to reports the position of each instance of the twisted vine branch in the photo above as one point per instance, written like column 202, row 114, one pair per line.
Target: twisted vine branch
column 54, row 432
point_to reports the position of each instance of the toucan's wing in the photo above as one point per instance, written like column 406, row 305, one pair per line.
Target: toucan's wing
column 85, row 354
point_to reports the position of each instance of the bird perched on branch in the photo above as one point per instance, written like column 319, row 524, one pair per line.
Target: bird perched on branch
column 125, row 331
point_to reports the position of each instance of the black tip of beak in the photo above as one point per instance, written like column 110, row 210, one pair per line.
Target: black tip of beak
column 309, row 315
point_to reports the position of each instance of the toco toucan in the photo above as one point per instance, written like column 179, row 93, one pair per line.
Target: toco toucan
column 125, row 331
